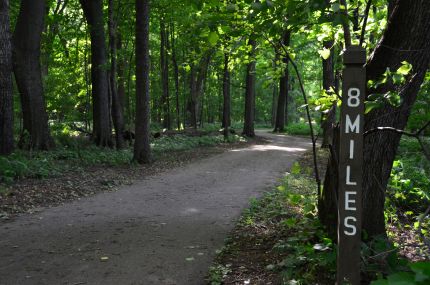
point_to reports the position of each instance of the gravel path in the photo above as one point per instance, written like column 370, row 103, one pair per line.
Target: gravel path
column 162, row 230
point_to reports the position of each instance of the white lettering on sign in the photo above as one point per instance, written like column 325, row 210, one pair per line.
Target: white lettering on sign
column 348, row 176
column 351, row 149
column 351, row 227
column 353, row 97
column 352, row 127
column 349, row 202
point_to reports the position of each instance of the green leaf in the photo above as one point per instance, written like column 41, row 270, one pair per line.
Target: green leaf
column 295, row 169
column 324, row 53
column 371, row 105
column 422, row 271
column 405, row 68
column 401, row 278
column 335, row 7
column 213, row 38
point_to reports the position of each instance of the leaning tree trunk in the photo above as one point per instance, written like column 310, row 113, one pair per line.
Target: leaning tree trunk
column 283, row 90
column 93, row 10
column 328, row 83
column 117, row 109
column 6, row 90
column 226, row 95
column 397, row 45
column 28, row 74
column 248, row 127
column 142, row 148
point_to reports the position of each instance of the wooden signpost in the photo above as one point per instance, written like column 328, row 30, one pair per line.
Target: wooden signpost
column 351, row 166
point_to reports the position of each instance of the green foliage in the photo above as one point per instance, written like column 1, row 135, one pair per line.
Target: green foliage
column 217, row 273
column 301, row 128
column 308, row 254
column 409, row 186
column 78, row 153
column 376, row 100
column 418, row 274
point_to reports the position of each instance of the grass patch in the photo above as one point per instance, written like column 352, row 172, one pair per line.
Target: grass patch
column 301, row 129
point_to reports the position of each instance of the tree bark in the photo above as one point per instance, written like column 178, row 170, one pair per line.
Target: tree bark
column 6, row 90
column 117, row 109
column 226, row 95
column 197, row 77
column 121, row 77
column 28, row 74
column 93, row 11
column 327, row 201
column 399, row 43
column 283, row 90
column 176, row 72
column 248, row 127
column 328, row 83
column 142, row 148
column 164, row 74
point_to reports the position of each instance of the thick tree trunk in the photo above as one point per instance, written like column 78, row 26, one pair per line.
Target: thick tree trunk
column 164, row 74
column 28, row 74
column 117, row 109
column 6, row 88
column 283, row 90
column 226, row 95
column 176, row 72
column 142, row 148
column 93, row 10
column 399, row 43
column 248, row 127
column 328, row 83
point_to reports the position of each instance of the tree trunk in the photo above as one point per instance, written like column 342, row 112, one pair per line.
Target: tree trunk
column 121, row 78
column 6, row 90
column 327, row 202
column 283, row 90
column 93, row 10
column 117, row 109
column 226, row 95
column 142, row 148
column 248, row 127
column 197, row 77
column 164, row 75
column 398, row 44
column 28, row 74
column 328, row 83
column 176, row 71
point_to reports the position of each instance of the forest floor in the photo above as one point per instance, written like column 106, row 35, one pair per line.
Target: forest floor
column 164, row 229
column 30, row 195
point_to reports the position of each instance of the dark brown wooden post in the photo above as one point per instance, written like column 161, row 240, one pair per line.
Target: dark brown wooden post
column 351, row 166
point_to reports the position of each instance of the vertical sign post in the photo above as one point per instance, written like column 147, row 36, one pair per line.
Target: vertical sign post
column 351, row 166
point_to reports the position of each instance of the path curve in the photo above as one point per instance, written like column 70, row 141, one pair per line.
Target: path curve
column 162, row 230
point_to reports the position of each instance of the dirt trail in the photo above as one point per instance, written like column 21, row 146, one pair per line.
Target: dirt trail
column 162, row 230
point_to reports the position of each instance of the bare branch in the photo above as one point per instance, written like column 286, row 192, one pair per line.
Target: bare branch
column 366, row 16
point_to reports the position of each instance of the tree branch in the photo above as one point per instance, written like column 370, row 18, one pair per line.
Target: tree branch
column 366, row 16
